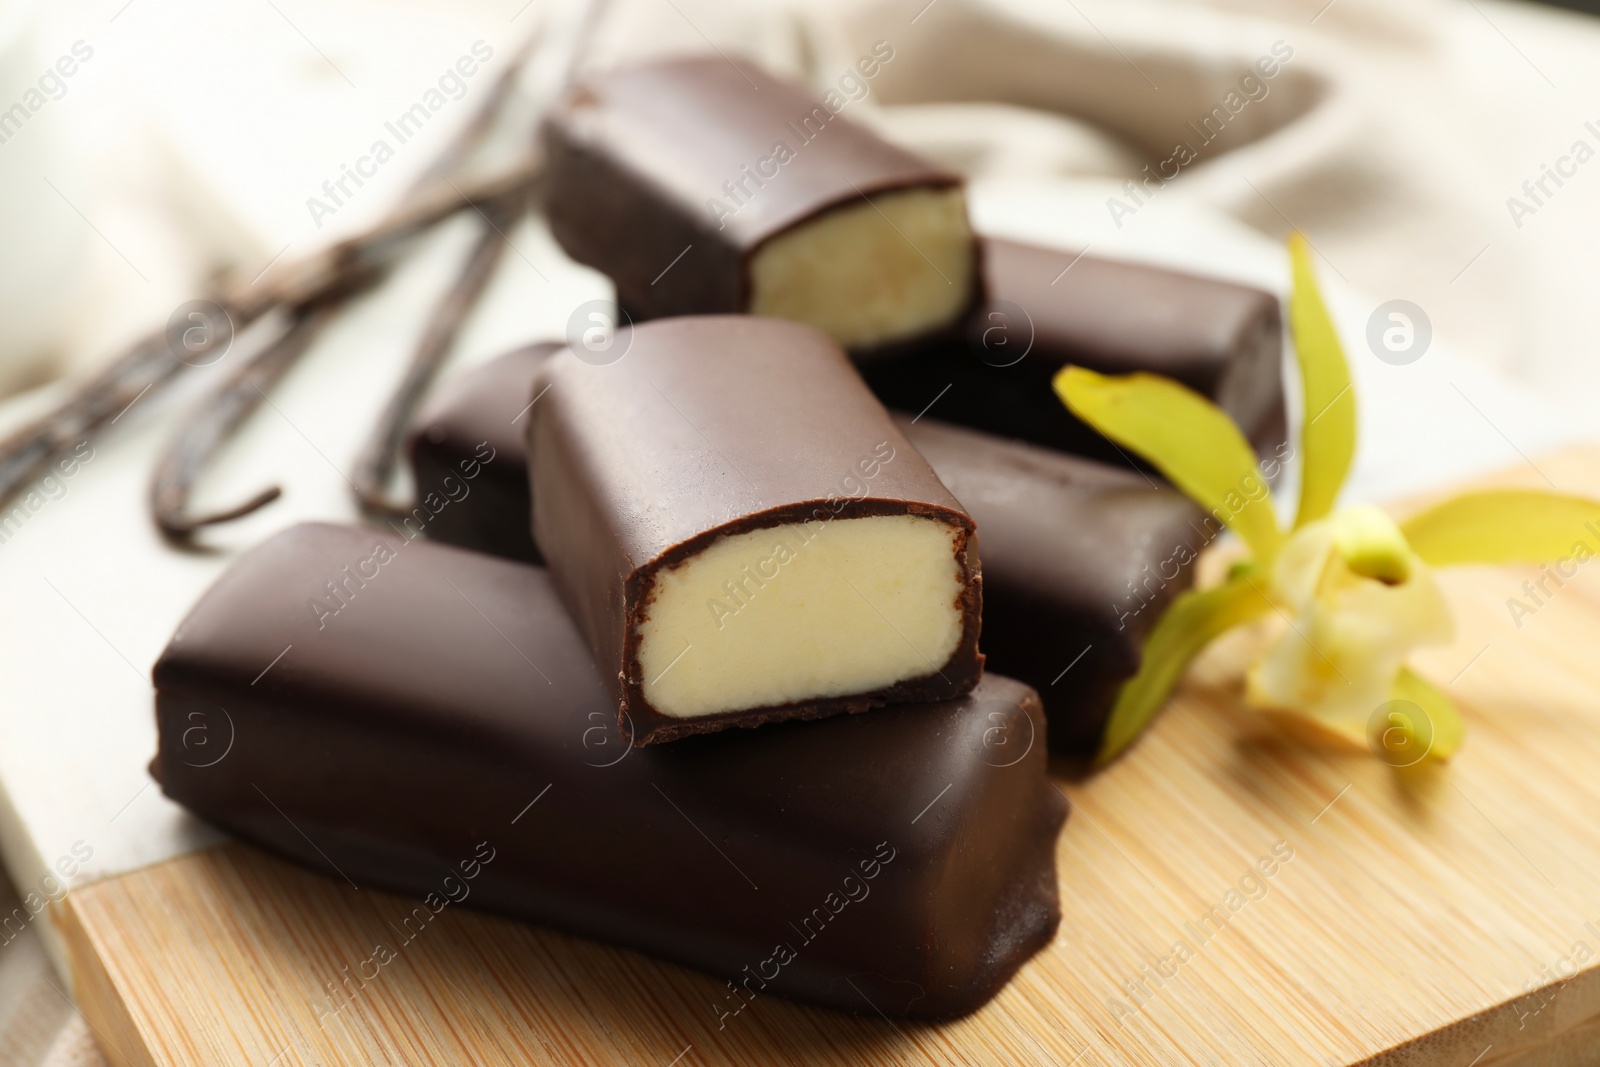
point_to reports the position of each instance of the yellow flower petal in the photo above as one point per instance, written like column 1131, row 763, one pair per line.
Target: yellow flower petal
column 1505, row 526
column 1189, row 624
column 1443, row 731
column 1188, row 438
column 1328, row 437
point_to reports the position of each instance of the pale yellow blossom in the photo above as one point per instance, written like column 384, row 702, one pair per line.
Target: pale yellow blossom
column 1358, row 603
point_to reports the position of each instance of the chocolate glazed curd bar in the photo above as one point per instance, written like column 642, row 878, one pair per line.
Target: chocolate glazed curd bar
column 705, row 185
column 1080, row 558
column 743, row 534
column 1223, row 340
column 450, row 714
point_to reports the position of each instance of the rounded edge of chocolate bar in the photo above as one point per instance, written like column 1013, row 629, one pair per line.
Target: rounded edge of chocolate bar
column 1027, row 912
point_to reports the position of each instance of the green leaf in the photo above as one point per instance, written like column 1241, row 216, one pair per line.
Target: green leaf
column 1328, row 435
column 1444, row 731
column 1190, row 623
column 1188, row 438
column 1505, row 526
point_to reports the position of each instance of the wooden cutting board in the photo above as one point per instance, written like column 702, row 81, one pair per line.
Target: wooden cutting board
column 1449, row 917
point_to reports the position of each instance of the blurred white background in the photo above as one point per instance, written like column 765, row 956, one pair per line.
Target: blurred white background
column 191, row 139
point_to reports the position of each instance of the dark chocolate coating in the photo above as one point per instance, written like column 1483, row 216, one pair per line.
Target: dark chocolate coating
column 482, row 415
column 635, row 154
column 1080, row 560
column 711, row 426
column 1220, row 339
column 450, row 711
column 1076, row 554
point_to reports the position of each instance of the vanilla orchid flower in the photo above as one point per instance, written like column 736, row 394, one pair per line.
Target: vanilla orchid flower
column 1354, row 589
column 1357, row 601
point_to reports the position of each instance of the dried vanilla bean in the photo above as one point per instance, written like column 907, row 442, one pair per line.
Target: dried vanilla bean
column 148, row 365
column 327, row 280
column 376, row 462
column 378, row 456
column 223, row 411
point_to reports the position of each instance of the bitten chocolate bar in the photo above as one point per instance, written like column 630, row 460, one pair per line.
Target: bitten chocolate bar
column 450, row 714
column 742, row 532
column 705, row 185
column 1080, row 558
column 1045, row 309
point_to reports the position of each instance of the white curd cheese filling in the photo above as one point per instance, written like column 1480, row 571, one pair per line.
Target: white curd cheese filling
column 799, row 612
column 872, row 272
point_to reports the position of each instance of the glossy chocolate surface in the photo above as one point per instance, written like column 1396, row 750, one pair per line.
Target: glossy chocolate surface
column 901, row 862
column 1046, row 308
column 711, row 426
column 636, row 154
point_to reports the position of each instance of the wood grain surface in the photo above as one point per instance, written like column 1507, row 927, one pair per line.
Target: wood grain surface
column 1448, row 916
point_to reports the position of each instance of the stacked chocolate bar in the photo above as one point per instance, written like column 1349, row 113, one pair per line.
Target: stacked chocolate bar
column 704, row 673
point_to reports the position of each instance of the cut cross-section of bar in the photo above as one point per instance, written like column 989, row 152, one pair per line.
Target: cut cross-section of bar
column 742, row 532
column 868, row 273
column 797, row 612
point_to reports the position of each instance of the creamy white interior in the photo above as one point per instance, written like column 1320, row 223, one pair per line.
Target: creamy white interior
column 870, row 273
column 798, row 612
